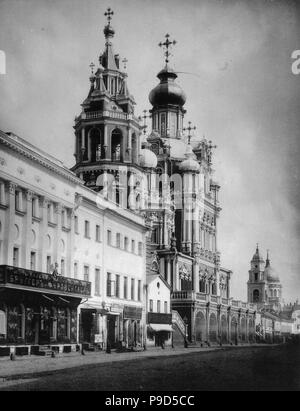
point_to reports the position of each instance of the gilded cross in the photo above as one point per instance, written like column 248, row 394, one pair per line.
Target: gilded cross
column 167, row 45
column 189, row 129
column 108, row 14
column 144, row 117
column 92, row 65
column 124, row 61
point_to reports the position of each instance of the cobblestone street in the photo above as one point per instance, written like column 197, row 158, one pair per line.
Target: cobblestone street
column 230, row 368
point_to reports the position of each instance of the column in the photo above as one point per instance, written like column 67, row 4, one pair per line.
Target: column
column 42, row 252
column 8, row 241
column 27, row 238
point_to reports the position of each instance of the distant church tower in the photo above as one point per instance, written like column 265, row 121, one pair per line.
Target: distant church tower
column 264, row 287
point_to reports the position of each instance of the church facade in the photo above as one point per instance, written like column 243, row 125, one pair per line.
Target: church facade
column 168, row 179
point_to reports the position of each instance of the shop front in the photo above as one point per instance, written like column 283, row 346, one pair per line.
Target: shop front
column 38, row 309
column 132, row 328
column 159, row 330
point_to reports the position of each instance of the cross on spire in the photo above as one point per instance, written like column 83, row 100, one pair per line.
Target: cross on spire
column 92, row 65
column 210, row 145
column 189, row 129
column 144, row 117
column 167, row 44
column 124, row 61
column 108, row 14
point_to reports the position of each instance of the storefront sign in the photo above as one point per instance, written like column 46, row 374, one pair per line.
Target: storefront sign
column 131, row 312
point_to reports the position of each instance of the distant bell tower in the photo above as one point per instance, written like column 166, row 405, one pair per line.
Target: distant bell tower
column 257, row 282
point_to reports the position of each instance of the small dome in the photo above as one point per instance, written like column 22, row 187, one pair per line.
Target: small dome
column 167, row 91
column 147, row 158
column 189, row 164
column 271, row 275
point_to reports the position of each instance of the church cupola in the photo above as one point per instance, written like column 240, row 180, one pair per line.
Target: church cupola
column 167, row 99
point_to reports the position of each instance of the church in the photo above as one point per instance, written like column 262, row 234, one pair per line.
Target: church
column 122, row 249
column 168, row 179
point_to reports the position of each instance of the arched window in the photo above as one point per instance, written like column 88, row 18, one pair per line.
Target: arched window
column 116, row 145
column 255, row 296
column 96, row 145
column 214, row 288
column 256, row 276
column 202, row 286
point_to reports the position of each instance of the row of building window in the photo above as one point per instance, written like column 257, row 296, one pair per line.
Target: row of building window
column 113, row 287
column 158, row 306
column 124, row 243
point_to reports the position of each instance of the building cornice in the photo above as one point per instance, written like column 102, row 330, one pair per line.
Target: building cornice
column 34, row 154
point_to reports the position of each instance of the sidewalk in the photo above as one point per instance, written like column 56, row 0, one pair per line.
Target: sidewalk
column 35, row 366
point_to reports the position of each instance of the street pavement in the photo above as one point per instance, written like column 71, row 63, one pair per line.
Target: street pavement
column 227, row 368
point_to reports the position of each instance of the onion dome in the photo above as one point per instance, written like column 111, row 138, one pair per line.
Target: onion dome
column 167, row 91
column 147, row 158
column 108, row 31
column 270, row 273
column 189, row 164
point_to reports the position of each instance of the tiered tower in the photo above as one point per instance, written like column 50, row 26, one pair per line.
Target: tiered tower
column 107, row 132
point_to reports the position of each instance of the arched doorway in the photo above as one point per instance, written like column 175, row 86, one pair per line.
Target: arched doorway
column 224, row 337
column 213, row 328
column 243, row 329
column 200, row 326
column 233, row 328
column 116, row 145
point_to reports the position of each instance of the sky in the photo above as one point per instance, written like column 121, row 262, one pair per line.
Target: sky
column 241, row 93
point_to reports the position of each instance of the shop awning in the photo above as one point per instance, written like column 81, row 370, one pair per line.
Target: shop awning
column 161, row 327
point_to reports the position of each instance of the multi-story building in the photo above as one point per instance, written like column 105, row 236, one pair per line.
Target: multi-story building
column 72, row 265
